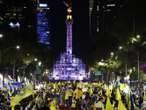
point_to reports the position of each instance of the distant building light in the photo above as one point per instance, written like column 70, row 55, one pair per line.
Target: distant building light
column 39, row 63
column 97, row 29
column 111, row 5
column 112, row 54
column 48, row 32
column 97, row 8
column 17, row 24
column 11, row 24
column 90, row 9
column 24, row 7
column 43, row 5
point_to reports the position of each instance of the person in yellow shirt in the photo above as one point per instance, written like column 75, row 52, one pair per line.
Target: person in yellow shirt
column 78, row 93
column 52, row 104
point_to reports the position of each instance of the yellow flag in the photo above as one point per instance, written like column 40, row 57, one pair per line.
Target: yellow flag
column 118, row 95
column 108, row 105
column 121, row 106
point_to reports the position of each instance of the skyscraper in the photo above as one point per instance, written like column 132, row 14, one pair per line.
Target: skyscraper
column 102, row 14
column 43, row 31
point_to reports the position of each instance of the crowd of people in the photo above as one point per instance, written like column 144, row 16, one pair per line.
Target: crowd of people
column 83, row 96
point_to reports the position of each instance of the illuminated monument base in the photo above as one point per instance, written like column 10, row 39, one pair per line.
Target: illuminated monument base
column 69, row 68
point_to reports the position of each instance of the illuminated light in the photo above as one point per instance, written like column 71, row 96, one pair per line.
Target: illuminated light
column 14, row 14
column 101, row 63
column 111, row 5
column 39, row 63
column 1, row 35
column 69, row 17
column 120, row 47
column 112, row 54
column 25, row 79
column 138, row 36
column 69, row 10
column 43, row 5
column 11, row 24
column 24, row 7
column 133, row 40
column 1, row 76
column 17, row 47
column 97, row 29
column 17, row 24
column 19, row 80
column 35, row 59
column 46, row 71
column 90, row 8
column 130, row 70
column 144, row 43
column 48, row 32
column 97, row 8
column 80, row 77
column 102, row 60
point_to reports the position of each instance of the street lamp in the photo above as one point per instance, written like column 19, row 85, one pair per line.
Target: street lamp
column 17, row 47
column 35, row 59
column 138, row 36
column 120, row 47
column 39, row 63
column 112, row 54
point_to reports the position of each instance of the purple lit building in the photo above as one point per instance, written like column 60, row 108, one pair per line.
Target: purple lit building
column 68, row 67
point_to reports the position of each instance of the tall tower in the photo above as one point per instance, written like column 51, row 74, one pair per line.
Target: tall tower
column 68, row 67
column 69, row 22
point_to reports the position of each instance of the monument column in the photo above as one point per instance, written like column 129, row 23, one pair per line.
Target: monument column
column 69, row 23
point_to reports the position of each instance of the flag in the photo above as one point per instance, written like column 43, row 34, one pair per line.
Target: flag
column 118, row 95
column 108, row 105
column 121, row 106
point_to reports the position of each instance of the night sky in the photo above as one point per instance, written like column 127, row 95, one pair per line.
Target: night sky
column 89, row 48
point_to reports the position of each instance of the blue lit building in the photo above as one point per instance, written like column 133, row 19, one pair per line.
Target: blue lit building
column 43, row 31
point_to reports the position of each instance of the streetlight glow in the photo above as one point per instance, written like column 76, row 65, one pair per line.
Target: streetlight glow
column 120, row 48
column 112, row 54
column 1, row 36
column 138, row 36
column 39, row 63
column 35, row 59
column 17, row 47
